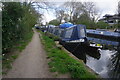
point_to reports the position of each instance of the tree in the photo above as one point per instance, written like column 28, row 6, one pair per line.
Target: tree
column 91, row 10
column 119, row 14
column 54, row 22
column 12, row 13
column 119, row 7
column 73, row 9
column 60, row 14
column 78, row 12
column 76, row 9
column 17, row 22
column 66, row 17
column 85, row 19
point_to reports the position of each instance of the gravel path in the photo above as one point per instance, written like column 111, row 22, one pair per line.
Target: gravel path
column 32, row 62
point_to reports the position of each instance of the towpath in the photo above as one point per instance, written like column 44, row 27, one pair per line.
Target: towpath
column 32, row 62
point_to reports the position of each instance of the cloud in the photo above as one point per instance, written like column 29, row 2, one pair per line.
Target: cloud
column 48, row 16
column 108, row 7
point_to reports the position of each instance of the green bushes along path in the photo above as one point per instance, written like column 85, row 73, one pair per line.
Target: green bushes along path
column 17, row 22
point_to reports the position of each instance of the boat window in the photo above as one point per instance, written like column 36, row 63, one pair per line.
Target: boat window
column 62, row 33
column 82, row 31
column 68, row 33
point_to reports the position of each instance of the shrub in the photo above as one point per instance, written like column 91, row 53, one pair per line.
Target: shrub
column 17, row 22
column 102, row 25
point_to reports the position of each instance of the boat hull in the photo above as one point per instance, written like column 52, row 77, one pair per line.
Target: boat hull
column 80, row 49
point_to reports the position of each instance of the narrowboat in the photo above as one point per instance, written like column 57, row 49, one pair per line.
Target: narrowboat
column 102, row 34
column 104, row 37
column 74, row 35
column 74, row 39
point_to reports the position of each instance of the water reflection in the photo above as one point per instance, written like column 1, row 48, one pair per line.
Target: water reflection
column 100, row 66
column 108, row 66
column 114, row 66
column 81, row 50
column 105, row 62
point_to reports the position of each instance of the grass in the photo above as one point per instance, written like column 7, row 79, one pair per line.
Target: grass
column 8, row 59
column 23, row 43
column 62, row 63
column 55, row 38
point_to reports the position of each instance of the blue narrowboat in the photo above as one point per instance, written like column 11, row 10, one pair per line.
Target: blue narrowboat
column 74, row 34
column 74, row 37
column 104, row 37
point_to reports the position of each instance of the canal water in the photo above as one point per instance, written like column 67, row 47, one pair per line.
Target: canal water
column 105, row 62
column 101, row 65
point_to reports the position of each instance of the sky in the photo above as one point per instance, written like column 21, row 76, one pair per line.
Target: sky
column 108, row 6
column 105, row 7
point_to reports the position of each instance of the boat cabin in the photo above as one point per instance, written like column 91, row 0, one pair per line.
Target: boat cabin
column 76, row 33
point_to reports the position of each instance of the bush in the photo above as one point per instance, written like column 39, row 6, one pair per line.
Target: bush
column 85, row 20
column 54, row 22
column 17, row 22
column 102, row 25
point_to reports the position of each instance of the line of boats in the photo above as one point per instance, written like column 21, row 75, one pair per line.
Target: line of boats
column 77, row 37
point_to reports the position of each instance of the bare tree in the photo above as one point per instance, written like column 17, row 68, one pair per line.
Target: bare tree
column 42, row 7
column 92, row 10
column 119, row 14
column 66, row 17
column 73, row 8
column 78, row 11
column 60, row 14
column 119, row 7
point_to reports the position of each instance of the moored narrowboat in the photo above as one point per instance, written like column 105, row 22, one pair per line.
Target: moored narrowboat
column 74, row 37
column 104, row 37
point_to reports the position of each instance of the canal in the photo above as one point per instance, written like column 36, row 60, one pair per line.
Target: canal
column 107, row 65
column 104, row 61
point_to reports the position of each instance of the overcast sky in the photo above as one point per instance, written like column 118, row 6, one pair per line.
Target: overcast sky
column 105, row 7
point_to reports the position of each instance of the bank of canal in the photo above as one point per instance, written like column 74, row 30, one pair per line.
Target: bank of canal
column 62, row 63
column 105, row 62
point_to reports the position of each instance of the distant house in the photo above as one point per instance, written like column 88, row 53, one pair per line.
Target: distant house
column 111, row 19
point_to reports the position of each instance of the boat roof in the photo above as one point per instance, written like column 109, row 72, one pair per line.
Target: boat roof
column 101, row 32
column 65, row 25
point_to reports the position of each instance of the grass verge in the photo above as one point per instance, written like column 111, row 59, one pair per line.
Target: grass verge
column 8, row 59
column 62, row 63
